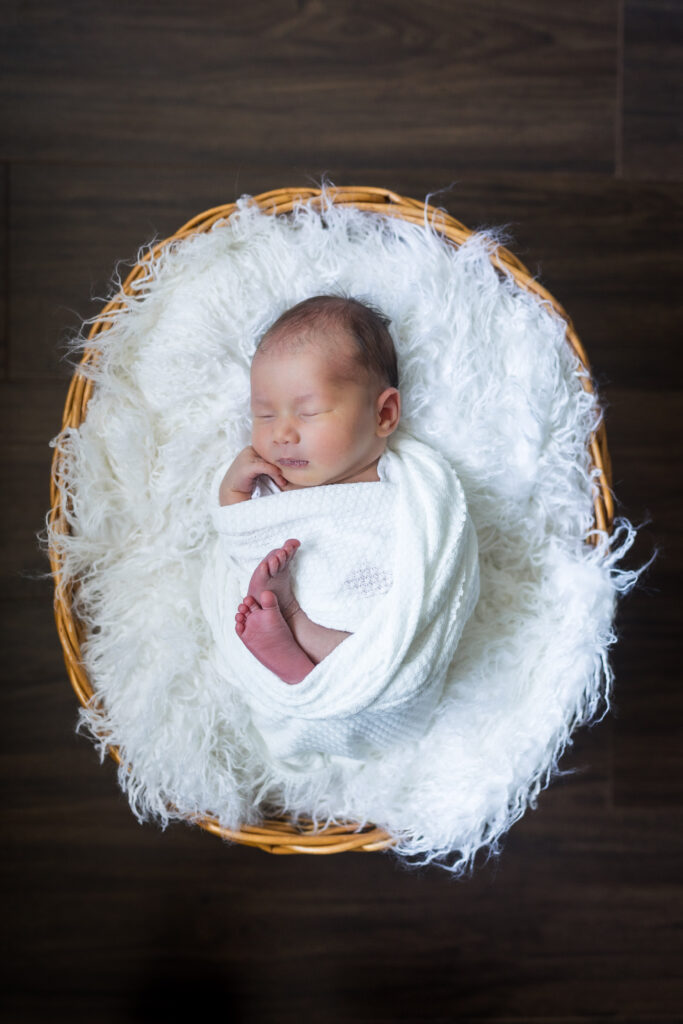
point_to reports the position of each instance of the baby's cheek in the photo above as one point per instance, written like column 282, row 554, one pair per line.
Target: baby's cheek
column 257, row 442
column 332, row 445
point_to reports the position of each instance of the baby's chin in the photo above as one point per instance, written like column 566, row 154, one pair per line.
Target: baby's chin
column 311, row 477
column 299, row 476
column 308, row 476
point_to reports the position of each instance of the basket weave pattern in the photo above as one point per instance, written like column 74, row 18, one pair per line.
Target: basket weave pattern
column 276, row 835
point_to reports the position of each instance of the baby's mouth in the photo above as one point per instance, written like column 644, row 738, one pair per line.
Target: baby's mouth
column 293, row 463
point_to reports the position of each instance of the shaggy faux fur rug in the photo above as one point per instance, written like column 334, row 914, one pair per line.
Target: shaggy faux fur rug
column 487, row 378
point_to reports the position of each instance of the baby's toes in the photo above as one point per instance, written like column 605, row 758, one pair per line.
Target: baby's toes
column 288, row 550
column 284, row 555
column 275, row 563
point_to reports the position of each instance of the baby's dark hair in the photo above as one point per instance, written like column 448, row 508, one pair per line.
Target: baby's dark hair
column 364, row 323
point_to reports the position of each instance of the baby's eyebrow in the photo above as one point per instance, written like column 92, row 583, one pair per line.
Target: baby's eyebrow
column 258, row 400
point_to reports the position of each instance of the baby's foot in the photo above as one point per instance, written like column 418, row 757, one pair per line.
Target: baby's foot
column 266, row 634
column 272, row 573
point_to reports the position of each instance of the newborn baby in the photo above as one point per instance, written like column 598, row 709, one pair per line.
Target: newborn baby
column 324, row 400
column 387, row 574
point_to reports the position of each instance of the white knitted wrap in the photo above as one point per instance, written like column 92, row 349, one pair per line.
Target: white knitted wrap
column 379, row 687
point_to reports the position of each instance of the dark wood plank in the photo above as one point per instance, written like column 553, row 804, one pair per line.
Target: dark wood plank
column 4, row 270
column 26, row 471
column 31, row 414
column 653, row 90
column 32, row 410
column 645, row 432
column 313, row 83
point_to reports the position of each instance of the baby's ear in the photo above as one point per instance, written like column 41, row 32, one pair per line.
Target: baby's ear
column 389, row 411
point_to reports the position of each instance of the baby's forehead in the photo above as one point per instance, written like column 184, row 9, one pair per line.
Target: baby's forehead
column 325, row 360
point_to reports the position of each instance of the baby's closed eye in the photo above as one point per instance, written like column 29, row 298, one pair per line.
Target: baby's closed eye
column 310, row 414
column 268, row 416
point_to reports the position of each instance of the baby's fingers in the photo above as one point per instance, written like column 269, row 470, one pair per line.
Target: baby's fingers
column 272, row 470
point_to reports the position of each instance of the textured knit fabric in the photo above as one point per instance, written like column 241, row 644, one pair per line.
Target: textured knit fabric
column 337, row 574
column 394, row 562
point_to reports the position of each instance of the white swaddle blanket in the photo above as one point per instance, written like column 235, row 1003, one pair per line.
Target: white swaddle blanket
column 394, row 562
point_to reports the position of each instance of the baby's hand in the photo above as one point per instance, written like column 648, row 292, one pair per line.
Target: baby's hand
column 238, row 482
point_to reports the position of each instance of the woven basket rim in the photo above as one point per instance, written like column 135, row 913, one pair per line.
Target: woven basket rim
column 278, row 835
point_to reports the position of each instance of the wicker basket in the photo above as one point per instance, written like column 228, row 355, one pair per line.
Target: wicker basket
column 276, row 835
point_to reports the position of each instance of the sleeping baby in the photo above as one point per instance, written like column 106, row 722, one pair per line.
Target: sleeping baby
column 345, row 563
column 324, row 399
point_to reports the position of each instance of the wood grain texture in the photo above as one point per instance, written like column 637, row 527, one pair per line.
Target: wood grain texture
column 119, row 124
column 487, row 84
column 4, row 270
column 653, row 90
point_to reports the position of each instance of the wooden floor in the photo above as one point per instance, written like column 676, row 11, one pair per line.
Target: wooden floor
column 563, row 121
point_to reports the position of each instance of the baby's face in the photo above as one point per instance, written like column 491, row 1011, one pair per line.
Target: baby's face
column 316, row 428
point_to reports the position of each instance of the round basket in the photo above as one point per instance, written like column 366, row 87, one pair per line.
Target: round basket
column 276, row 835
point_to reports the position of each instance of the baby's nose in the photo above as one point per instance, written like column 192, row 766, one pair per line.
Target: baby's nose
column 285, row 430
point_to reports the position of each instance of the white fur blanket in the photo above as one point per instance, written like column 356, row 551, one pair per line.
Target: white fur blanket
column 487, row 379
column 379, row 687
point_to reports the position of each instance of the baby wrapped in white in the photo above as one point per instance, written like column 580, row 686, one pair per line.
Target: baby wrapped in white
column 392, row 561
